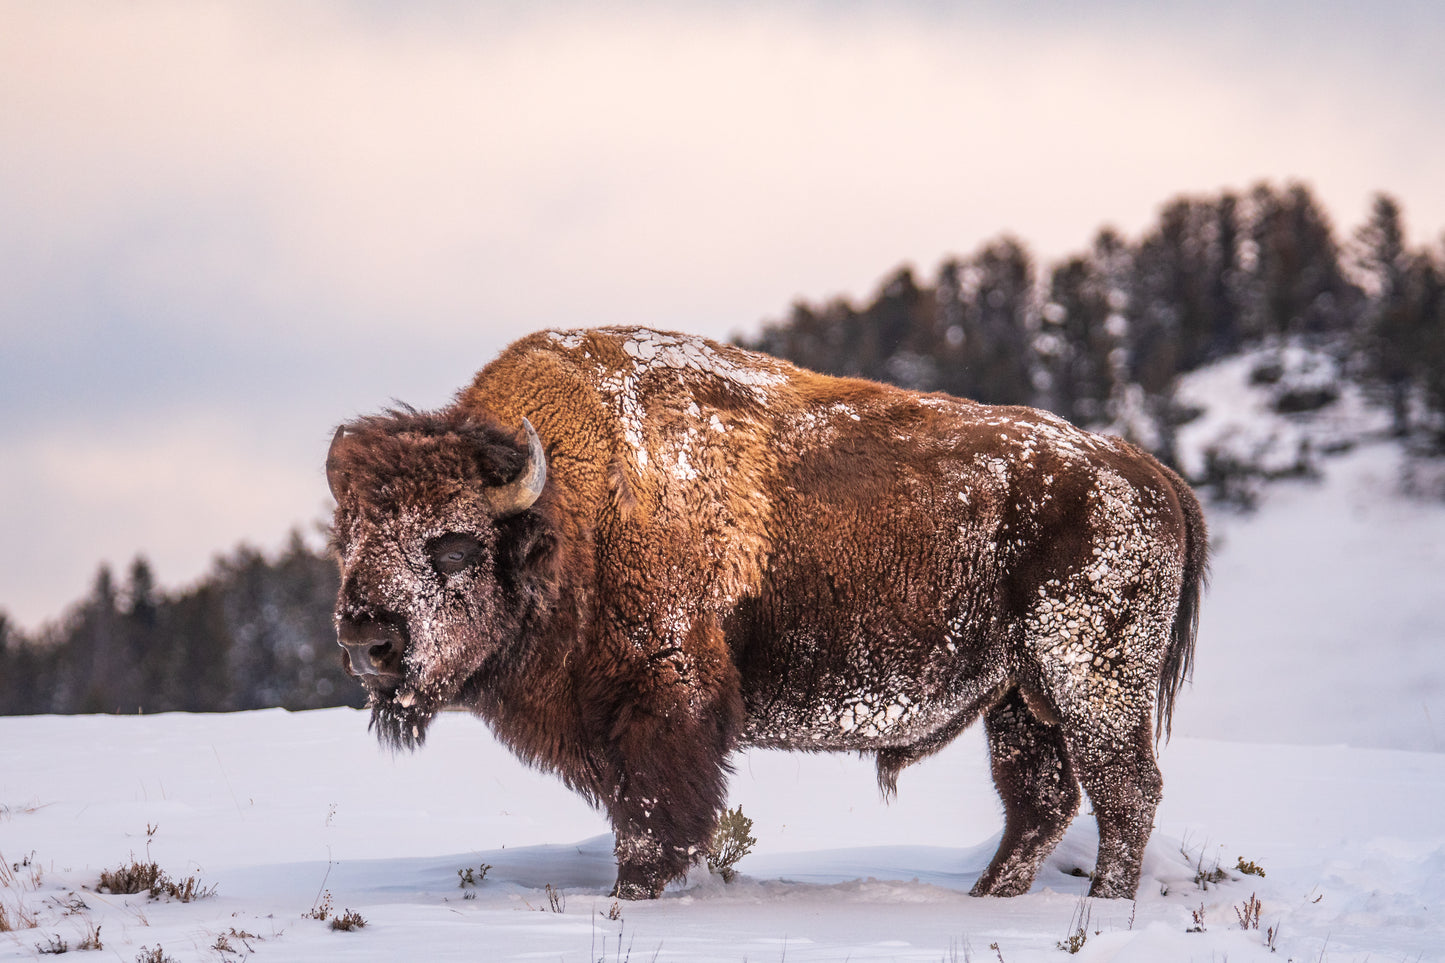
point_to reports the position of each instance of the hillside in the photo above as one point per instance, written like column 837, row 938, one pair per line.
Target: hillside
column 1323, row 622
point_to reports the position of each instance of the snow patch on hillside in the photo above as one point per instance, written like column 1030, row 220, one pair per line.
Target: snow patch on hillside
column 1274, row 410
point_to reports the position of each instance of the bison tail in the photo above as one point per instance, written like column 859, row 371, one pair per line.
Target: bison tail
column 1178, row 666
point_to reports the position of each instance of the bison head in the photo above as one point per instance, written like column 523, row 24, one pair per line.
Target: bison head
column 443, row 555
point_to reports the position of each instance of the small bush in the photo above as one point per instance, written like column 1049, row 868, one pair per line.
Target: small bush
column 731, row 841
column 1204, row 877
column 555, row 900
column 149, row 878
column 186, row 890
column 348, row 921
column 224, row 945
column 1249, row 867
column 138, row 877
column 91, row 940
column 321, row 910
column 54, row 946
column 157, row 955
column 470, row 878
column 1075, row 942
column 1248, row 916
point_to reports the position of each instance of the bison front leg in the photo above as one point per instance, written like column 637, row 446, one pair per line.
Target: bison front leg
column 1036, row 782
column 670, row 787
column 668, row 742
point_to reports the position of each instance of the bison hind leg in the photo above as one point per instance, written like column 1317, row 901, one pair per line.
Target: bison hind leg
column 1035, row 779
column 1122, row 779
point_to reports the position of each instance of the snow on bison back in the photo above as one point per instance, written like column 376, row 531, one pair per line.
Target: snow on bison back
column 633, row 552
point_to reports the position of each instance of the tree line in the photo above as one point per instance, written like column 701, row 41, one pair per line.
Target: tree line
column 1101, row 338
column 254, row 633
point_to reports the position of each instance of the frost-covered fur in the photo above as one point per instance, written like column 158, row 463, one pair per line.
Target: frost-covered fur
column 732, row 551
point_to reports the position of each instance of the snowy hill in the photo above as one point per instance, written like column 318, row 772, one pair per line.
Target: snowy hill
column 1309, row 745
column 1323, row 622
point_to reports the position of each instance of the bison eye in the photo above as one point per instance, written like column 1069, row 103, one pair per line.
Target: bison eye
column 453, row 553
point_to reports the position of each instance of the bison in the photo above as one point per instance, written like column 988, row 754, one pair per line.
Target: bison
column 633, row 552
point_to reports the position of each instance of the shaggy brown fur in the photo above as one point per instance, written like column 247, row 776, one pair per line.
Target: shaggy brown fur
column 730, row 551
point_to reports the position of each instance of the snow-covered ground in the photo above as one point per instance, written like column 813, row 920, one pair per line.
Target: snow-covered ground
column 1308, row 745
column 1325, row 618
column 274, row 809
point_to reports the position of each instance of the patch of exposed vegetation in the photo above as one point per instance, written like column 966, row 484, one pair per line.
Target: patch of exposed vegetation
column 731, row 841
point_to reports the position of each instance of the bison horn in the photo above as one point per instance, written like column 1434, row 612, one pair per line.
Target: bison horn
column 519, row 494
column 333, row 476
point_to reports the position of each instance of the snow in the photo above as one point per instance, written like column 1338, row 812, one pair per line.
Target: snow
column 1325, row 618
column 1240, row 419
column 273, row 808
column 1309, row 744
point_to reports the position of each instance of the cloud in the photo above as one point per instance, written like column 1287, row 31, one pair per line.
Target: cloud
column 278, row 163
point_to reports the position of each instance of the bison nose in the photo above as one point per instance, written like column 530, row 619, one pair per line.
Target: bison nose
column 372, row 648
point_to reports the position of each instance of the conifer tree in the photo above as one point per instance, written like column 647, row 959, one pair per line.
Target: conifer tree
column 987, row 311
column 1083, row 331
column 1297, row 284
column 1394, row 333
column 1429, row 286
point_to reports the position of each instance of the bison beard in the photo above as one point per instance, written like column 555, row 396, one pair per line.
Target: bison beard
column 398, row 726
column 697, row 549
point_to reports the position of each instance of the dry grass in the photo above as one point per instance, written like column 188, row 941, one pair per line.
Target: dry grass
column 555, row 900
column 226, row 943
column 157, row 955
column 16, row 919
column 348, row 921
column 8, row 812
column 91, row 939
column 149, row 878
column 138, row 877
column 320, row 910
column 1249, row 867
column 15, row 879
column 1248, row 915
column 1079, row 923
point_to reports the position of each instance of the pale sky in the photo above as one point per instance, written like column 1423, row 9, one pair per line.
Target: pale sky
column 228, row 225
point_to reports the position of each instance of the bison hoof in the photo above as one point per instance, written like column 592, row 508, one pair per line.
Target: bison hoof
column 1106, row 890
column 1004, row 887
column 633, row 890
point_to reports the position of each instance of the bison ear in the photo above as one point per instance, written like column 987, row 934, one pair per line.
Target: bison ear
column 335, row 478
column 526, row 552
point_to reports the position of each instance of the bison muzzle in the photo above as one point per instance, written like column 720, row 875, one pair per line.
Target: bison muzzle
column 633, row 552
